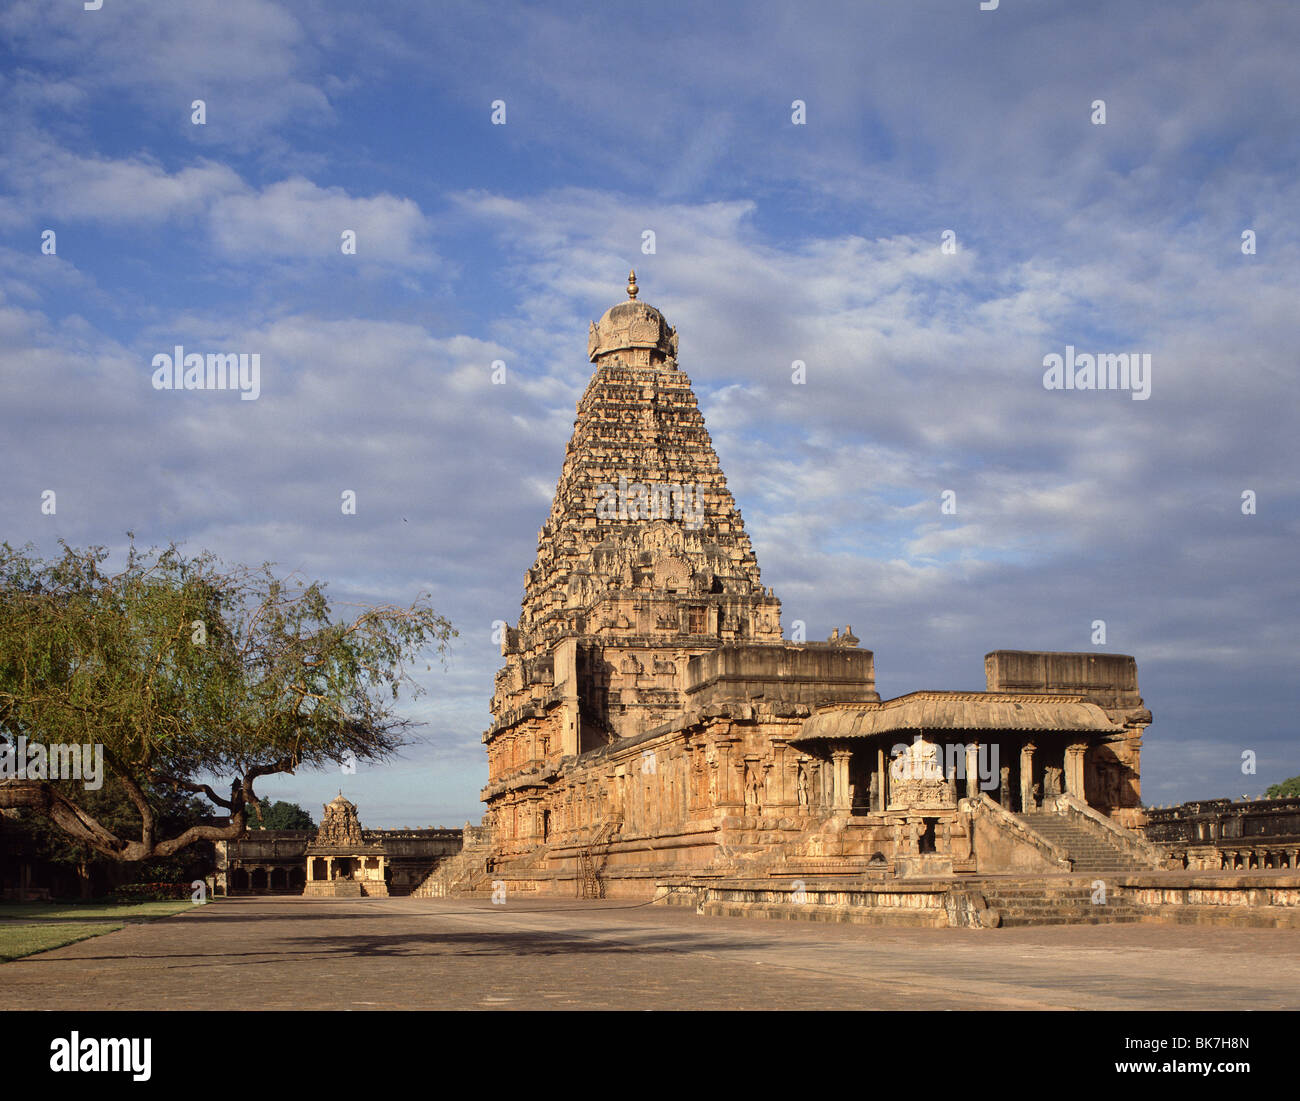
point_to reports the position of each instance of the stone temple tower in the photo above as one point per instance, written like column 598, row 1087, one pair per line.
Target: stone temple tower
column 649, row 720
column 643, row 561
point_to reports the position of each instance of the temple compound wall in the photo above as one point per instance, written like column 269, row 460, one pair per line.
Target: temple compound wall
column 651, row 720
column 339, row 859
column 1228, row 835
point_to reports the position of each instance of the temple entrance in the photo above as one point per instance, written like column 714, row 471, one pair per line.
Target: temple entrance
column 925, row 843
column 862, row 768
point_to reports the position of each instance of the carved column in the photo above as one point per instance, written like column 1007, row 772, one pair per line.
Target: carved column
column 816, row 796
column 1074, row 770
column 726, row 779
column 840, row 781
column 1027, row 804
column 882, row 796
column 972, row 770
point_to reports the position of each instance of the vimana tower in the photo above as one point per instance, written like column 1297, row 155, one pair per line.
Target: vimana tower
column 651, row 723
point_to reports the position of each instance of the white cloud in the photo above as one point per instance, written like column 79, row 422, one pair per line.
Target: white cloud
column 296, row 218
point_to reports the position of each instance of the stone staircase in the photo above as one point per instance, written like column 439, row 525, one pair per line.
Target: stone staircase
column 1090, row 852
column 459, row 874
column 1069, row 902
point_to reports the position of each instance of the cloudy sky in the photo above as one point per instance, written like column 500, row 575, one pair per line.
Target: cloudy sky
column 773, row 241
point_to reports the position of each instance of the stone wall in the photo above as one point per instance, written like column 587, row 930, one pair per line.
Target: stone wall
column 274, row 861
column 1220, row 834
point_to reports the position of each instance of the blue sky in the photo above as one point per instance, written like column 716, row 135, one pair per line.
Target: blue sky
column 773, row 243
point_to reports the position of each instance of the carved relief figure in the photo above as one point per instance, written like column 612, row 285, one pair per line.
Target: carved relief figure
column 753, row 787
column 1051, row 781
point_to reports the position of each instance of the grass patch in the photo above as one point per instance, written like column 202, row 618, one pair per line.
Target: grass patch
column 17, row 941
column 76, row 911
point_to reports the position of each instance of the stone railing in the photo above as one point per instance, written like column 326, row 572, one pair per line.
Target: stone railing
column 1211, row 821
column 1008, row 823
column 1235, row 856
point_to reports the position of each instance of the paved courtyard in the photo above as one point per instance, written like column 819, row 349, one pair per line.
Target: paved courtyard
column 292, row 953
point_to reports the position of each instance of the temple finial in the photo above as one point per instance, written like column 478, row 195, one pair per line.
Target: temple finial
column 631, row 284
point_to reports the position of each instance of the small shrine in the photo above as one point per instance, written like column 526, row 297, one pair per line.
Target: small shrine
column 340, row 864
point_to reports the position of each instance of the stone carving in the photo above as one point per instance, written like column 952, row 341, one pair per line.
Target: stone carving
column 339, row 825
column 1051, row 781
column 917, row 779
column 1112, row 788
column 753, row 787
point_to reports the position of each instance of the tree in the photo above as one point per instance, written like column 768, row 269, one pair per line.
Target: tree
column 184, row 668
column 279, row 816
column 1286, row 789
column 112, row 807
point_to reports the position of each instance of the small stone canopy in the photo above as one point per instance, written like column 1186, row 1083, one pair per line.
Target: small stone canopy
column 340, row 831
column 340, row 861
column 935, row 712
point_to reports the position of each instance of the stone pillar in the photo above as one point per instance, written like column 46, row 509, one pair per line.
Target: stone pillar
column 972, row 770
column 726, row 781
column 840, row 781
column 1074, row 770
column 882, row 795
column 1027, row 804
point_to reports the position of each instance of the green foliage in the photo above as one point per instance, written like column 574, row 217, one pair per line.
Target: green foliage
column 152, row 892
column 279, row 816
column 1285, row 790
column 183, row 668
column 112, row 808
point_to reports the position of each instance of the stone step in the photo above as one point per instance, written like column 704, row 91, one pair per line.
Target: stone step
column 1012, row 922
column 1059, row 904
column 1091, row 911
column 1089, row 854
column 1042, row 896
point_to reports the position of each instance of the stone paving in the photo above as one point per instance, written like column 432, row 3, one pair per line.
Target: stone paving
column 294, row 953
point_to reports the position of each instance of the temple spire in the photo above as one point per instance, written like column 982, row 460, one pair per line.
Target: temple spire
column 631, row 284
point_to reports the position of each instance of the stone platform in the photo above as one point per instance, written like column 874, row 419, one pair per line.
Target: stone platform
column 1254, row 900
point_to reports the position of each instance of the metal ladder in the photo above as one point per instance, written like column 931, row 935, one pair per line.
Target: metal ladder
column 590, row 884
